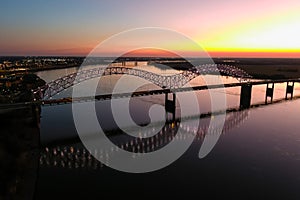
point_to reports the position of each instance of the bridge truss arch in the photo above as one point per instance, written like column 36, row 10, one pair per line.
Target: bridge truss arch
column 169, row 82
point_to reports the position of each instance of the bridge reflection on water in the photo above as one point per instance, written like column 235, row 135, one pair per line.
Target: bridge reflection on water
column 74, row 155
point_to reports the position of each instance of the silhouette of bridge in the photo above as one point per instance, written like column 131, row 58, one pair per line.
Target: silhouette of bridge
column 171, row 84
column 167, row 82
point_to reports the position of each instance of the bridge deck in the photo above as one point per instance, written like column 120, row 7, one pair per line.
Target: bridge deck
column 143, row 93
column 160, row 91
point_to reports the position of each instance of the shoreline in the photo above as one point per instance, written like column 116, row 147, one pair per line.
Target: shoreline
column 258, row 68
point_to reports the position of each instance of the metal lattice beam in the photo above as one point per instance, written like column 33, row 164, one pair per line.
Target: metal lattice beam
column 170, row 82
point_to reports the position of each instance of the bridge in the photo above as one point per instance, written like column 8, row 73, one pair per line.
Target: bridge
column 169, row 84
column 166, row 82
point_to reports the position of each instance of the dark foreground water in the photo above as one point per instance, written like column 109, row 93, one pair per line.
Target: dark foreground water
column 258, row 159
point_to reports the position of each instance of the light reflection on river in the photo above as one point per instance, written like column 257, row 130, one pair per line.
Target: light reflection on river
column 258, row 153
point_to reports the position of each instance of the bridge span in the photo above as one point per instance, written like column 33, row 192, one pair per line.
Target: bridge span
column 245, row 96
column 166, row 82
column 171, row 84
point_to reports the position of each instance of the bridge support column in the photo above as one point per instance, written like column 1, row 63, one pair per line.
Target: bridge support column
column 36, row 114
column 170, row 105
column 289, row 89
column 269, row 92
column 245, row 98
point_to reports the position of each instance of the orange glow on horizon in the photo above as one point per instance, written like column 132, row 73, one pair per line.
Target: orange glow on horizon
column 213, row 52
column 253, row 54
column 150, row 52
column 261, row 53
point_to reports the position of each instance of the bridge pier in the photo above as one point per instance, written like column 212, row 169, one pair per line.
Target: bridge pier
column 170, row 105
column 245, row 98
column 289, row 89
column 36, row 114
column 269, row 92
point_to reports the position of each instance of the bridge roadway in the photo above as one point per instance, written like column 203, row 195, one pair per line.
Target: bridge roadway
column 49, row 102
column 163, row 91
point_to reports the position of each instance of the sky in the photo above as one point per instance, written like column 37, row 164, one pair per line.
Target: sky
column 224, row 28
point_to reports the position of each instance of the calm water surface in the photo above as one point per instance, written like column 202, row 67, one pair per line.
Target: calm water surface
column 257, row 155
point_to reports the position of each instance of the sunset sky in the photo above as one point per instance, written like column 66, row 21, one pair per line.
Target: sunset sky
column 228, row 28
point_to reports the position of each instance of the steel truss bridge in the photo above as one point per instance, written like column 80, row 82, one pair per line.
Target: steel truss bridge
column 169, row 82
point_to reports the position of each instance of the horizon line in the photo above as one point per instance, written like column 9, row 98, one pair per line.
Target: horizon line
column 191, row 57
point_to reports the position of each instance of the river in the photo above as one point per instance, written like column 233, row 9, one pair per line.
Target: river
column 257, row 154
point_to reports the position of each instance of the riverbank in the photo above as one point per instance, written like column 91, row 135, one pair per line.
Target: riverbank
column 272, row 71
column 266, row 68
column 259, row 68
